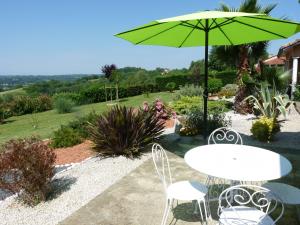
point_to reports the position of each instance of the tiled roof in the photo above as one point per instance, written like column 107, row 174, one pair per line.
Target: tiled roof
column 288, row 46
column 274, row 60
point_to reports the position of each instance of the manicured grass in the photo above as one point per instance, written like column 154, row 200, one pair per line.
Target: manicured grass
column 14, row 91
column 43, row 124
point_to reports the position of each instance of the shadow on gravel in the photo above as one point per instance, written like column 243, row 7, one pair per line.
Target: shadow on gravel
column 60, row 185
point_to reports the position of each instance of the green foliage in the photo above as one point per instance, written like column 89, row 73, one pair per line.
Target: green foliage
column 270, row 103
column 65, row 137
column 297, row 94
column 125, row 131
column 23, row 104
column 275, row 76
column 189, row 90
column 42, row 103
column 214, row 85
column 229, row 90
column 81, row 124
column 227, row 76
column 63, row 105
column 29, row 163
column 74, row 97
column 170, row 86
column 179, row 80
column 265, row 128
column 185, row 104
column 74, row 132
column 195, row 122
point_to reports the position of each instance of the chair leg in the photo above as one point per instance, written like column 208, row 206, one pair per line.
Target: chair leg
column 168, row 206
column 204, row 203
column 199, row 204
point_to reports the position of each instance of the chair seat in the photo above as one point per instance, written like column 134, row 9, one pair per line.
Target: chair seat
column 288, row 194
column 242, row 215
column 186, row 191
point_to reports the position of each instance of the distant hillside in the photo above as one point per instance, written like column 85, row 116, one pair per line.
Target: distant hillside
column 13, row 81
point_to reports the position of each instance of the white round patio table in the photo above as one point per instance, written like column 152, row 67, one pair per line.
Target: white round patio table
column 238, row 162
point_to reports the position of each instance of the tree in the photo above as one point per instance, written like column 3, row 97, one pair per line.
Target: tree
column 196, row 69
column 244, row 55
column 108, row 70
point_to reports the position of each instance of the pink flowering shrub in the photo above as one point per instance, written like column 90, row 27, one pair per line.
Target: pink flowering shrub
column 161, row 110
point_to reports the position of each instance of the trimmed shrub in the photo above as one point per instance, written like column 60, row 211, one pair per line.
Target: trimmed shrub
column 229, row 90
column 63, row 105
column 185, row 104
column 265, row 129
column 27, row 167
column 65, row 137
column 189, row 90
column 171, row 86
column 194, row 123
column 125, row 131
column 214, row 85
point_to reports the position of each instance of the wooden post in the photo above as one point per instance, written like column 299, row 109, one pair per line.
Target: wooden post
column 105, row 92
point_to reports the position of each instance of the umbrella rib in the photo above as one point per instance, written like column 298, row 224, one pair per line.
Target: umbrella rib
column 274, row 20
column 189, row 35
column 146, row 39
column 267, row 31
column 191, row 25
column 140, row 28
column 228, row 21
column 201, row 24
column 217, row 25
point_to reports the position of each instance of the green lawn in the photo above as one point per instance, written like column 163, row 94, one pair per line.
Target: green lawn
column 47, row 122
column 14, row 91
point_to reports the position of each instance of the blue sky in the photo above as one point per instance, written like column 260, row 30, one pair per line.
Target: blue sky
column 76, row 36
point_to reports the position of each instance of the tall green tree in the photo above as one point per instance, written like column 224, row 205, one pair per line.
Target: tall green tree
column 243, row 55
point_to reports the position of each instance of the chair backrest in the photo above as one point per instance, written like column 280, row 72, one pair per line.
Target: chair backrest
column 225, row 135
column 162, row 166
column 250, row 196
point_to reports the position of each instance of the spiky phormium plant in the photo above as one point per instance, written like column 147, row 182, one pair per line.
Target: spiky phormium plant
column 125, row 131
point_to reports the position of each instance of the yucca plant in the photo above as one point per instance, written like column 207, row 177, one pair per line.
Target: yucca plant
column 270, row 103
column 125, row 131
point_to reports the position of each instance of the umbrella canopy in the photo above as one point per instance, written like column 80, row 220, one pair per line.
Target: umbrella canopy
column 210, row 28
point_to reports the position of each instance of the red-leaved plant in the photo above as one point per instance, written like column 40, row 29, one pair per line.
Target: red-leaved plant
column 26, row 167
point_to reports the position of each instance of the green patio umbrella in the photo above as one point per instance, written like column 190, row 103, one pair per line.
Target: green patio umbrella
column 210, row 28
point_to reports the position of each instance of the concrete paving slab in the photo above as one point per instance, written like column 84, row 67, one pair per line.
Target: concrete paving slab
column 138, row 199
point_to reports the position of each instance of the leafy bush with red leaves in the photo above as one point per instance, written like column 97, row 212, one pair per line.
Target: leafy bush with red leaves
column 26, row 167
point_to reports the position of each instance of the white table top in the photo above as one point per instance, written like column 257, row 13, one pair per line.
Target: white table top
column 238, row 162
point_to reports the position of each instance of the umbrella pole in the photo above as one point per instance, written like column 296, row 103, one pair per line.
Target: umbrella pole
column 206, row 79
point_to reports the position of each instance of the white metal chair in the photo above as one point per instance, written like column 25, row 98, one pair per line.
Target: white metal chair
column 248, row 205
column 182, row 190
column 225, row 135
column 222, row 135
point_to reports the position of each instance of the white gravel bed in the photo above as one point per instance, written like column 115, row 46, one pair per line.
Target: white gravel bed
column 77, row 186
